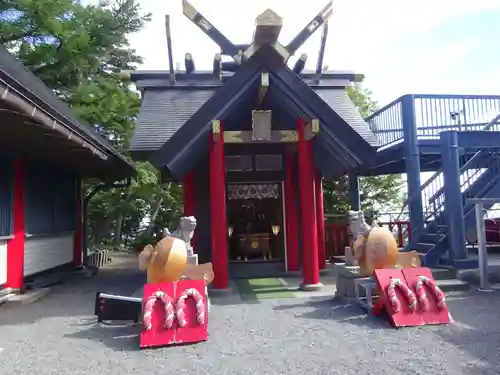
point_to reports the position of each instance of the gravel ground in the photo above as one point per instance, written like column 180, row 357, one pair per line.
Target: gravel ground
column 58, row 335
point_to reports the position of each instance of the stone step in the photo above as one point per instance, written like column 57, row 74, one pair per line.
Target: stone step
column 5, row 295
column 453, row 285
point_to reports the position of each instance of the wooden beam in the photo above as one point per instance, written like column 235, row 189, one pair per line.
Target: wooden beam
column 321, row 53
column 169, row 49
column 312, row 128
column 239, row 47
column 310, row 28
column 264, row 85
column 267, row 28
column 216, row 126
column 217, row 67
column 277, row 136
column 212, row 32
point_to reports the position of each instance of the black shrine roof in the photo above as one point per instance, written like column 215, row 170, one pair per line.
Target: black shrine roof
column 175, row 120
column 23, row 81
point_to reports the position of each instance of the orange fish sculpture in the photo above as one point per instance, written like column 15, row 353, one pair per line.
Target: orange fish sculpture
column 167, row 262
column 374, row 247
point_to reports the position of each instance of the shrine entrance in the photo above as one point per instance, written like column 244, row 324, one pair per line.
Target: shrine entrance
column 255, row 225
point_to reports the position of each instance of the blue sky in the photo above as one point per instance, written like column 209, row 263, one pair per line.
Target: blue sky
column 429, row 46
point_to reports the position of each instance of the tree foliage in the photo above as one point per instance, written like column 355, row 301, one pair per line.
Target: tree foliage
column 377, row 194
column 78, row 51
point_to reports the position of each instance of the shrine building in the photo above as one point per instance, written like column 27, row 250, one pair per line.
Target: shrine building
column 45, row 154
column 250, row 141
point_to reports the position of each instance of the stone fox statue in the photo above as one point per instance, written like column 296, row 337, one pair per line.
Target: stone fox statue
column 185, row 232
column 374, row 247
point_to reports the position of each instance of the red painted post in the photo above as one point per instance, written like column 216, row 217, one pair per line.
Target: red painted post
column 320, row 220
column 189, row 194
column 15, row 246
column 331, row 240
column 78, row 238
column 401, row 241
column 218, row 225
column 339, row 240
column 291, row 222
column 310, row 268
column 346, row 238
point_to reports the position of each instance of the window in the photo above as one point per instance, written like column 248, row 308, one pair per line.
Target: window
column 268, row 162
column 50, row 202
column 6, row 182
column 238, row 163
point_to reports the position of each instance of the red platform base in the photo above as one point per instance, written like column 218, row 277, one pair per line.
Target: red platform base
column 417, row 305
column 174, row 313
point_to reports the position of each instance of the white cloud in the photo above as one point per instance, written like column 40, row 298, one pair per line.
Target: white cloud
column 364, row 36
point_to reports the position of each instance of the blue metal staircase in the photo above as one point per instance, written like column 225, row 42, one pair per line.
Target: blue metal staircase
column 480, row 178
column 414, row 124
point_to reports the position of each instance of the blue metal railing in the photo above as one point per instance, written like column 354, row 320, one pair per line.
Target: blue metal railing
column 432, row 190
column 434, row 114
column 387, row 123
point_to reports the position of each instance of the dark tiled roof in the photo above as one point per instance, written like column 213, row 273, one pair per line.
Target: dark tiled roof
column 345, row 137
column 163, row 112
column 340, row 102
column 16, row 75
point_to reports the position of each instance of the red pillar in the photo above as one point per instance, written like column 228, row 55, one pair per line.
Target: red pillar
column 310, row 268
column 218, row 225
column 78, row 239
column 291, row 221
column 15, row 246
column 189, row 192
column 320, row 219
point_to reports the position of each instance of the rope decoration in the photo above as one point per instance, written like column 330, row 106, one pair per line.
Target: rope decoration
column 423, row 300
column 393, row 298
column 181, row 304
column 148, row 310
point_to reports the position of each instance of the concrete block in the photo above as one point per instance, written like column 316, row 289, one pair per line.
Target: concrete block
column 192, row 259
column 31, row 296
column 344, row 270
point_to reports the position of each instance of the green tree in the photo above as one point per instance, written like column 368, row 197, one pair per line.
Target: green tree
column 78, row 51
column 377, row 193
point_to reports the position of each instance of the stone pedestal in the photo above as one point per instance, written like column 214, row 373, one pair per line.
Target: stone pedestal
column 346, row 276
column 192, row 259
column 349, row 257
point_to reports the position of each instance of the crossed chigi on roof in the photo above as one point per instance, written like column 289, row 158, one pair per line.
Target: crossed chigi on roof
column 267, row 29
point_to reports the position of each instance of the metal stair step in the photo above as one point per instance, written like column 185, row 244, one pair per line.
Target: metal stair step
column 431, row 237
column 461, row 264
column 443, row 273
column 423, row 247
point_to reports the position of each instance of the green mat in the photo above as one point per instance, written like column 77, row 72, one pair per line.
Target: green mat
column 268, row 288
